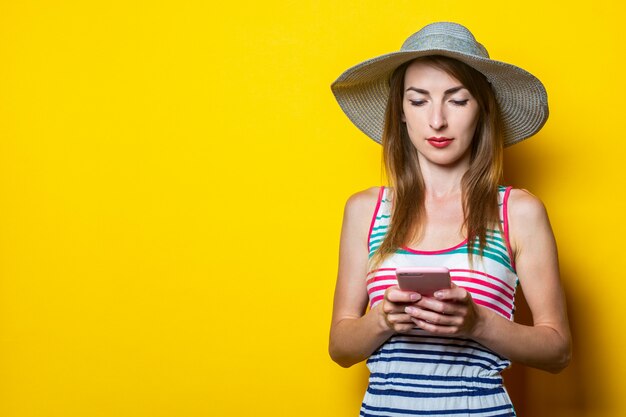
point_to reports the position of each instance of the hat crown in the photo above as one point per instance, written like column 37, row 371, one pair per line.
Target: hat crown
column 446, row 36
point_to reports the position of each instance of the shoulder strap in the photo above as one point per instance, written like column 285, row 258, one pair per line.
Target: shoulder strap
column 504, row 215
column 380, row 221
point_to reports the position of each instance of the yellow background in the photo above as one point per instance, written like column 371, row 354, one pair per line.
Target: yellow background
column 172, row 180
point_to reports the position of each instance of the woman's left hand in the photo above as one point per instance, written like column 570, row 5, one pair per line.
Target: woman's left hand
column 450, row 312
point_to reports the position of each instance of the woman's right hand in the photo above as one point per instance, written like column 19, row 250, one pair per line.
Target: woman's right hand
column 392, row 309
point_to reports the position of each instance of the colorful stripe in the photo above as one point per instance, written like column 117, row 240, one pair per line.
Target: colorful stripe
column 423, row 374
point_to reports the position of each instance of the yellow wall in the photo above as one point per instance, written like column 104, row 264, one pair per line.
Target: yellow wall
column 172, row 179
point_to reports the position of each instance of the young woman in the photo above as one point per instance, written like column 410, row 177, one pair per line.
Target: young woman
column 443, row 111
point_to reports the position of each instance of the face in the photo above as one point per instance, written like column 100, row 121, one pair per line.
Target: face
column 440, row 115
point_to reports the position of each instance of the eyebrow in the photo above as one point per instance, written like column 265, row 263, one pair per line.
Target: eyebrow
column 445, row 93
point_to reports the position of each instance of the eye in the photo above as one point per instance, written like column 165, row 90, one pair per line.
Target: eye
column 459, row 102
column 417, row 103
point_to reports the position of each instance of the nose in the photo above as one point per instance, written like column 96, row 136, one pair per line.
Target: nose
column 437, row 119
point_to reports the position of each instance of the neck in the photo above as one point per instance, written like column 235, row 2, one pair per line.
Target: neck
column 441, row 180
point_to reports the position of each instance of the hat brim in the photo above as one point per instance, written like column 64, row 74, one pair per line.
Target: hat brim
column 362, row 92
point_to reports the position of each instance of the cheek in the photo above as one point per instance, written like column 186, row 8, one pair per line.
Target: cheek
column 470, row 125
column 414, row 120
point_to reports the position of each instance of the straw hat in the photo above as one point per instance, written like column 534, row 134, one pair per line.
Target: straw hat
column 362, row 91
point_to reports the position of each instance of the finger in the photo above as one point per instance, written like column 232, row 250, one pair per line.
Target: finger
column 439, row 306
column 435, row 328
column 400, row 322
column 398, row 318
column 433, row 317
column 390, row 307
column 404, row 328
column 448, row 308
column 456, row 294
column 396, row 295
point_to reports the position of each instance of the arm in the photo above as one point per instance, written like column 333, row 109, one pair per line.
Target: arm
column 546, row 344
column 355, row 333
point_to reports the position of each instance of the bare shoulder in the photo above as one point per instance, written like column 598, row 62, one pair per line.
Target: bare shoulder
column 528, row 222
column 525, row 208
column 363, row 202
column 358, row 212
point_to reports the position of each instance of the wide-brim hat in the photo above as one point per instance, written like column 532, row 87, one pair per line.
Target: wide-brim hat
column 363, row 90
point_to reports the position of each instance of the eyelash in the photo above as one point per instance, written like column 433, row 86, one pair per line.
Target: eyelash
column 419, row 103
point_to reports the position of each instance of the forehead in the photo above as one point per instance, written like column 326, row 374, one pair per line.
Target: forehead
column 426, row 76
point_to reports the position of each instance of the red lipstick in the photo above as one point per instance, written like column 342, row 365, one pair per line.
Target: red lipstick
column 441, row 142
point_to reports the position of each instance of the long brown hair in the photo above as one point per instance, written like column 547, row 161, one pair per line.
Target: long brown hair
column 479, row 184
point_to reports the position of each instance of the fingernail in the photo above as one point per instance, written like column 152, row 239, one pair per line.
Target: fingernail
column 414, row 297
column 438, row 294
column 409, row 310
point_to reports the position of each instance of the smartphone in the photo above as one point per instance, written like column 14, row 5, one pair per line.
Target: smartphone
column 423, row 280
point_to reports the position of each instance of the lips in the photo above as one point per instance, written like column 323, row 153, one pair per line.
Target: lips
column 441, row 142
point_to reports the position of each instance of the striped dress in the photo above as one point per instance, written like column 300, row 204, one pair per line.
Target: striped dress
column 419, row 374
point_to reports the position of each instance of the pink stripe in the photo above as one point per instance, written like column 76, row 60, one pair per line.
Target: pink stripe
column 379, row 278
column 489, row 295
column 380, row 198
column 434, row 252
column 484, row 284
column 471, row 271
column 505, row 215
column 379, row 288
column 375, row 299
column 494, row 307
column 373, row 271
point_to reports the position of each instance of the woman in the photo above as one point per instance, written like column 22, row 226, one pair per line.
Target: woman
column 444, row 111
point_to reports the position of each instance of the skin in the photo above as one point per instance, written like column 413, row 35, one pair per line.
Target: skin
column 356, row 332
